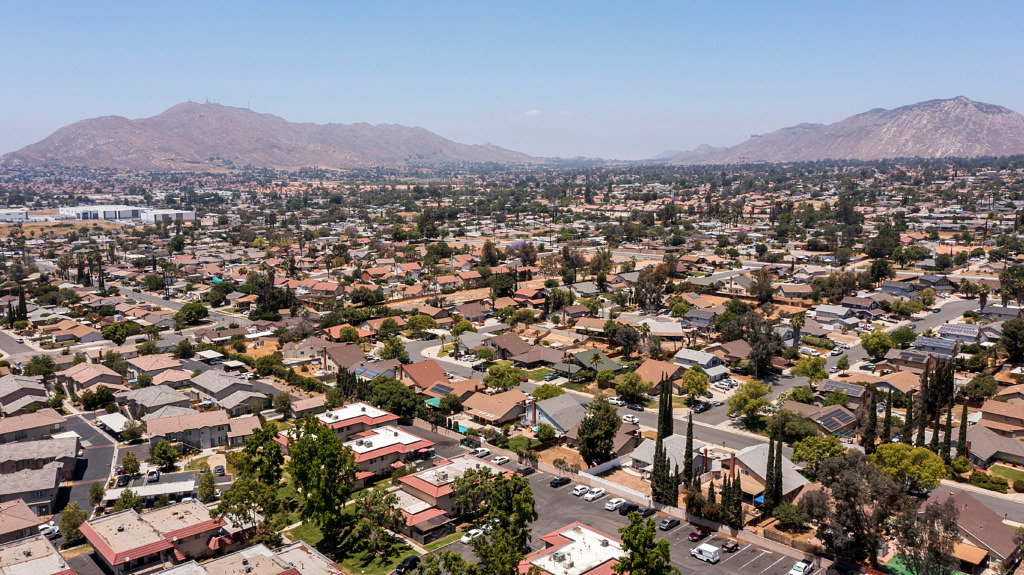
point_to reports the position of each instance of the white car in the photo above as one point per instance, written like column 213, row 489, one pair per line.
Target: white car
column 471, row 535
column 616, row 401
column 833, row 369
column 500, row 460
column 480, row 452
column 837, row 351
column 614, row 504
column 630, row 418
column 580, row 490
column 802, row 567
column 594, row 494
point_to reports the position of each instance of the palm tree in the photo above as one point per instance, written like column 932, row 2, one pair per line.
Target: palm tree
column 982, row 295
column 797, row 322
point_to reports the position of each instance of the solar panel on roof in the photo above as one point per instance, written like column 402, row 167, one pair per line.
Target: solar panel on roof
column 442, row 389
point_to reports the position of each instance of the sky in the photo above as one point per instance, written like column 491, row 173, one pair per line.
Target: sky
column 618, row 80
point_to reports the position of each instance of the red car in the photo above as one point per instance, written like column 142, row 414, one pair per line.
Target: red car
column 699, row 533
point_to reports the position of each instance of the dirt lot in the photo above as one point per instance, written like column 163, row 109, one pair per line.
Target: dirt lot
column 627, row 479
column 558, row 452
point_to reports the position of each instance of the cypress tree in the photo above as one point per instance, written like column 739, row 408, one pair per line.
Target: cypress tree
column 22, row 308
column 711, row 492
column 922, row 422
column 887, row 424
column 769, row 476
column 908, row 424
column 10, row 315
column 777, row 490
column 666, row 425
column 688, row 456
column 737, row 502
column 871, row 425
column 933, row 445
column 661, row 481
column 961, row 444
column 947, row 439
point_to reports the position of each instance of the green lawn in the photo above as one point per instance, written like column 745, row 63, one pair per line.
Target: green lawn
column 519, row 443
column 196, row 464
column 575, row 385
column 538, row 374
column 1008, row 472
column 350, row 552
column 895, row 566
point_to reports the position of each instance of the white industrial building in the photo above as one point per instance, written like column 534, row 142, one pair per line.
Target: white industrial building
column 13, row 215
column 152, row 216
column 120, row 212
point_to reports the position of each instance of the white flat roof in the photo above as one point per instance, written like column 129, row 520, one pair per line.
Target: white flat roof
column 351, row 411
column 586, row 550
column 381, row 438
column 115, row 421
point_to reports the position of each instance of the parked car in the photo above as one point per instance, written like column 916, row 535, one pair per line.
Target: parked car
column 219, row 470
column 705, row 552
column 525, row 470
column 500, row 460
column 802, row 567
column 122, row 480
column 550, row 376
column 730, row 546
column 645, row 511
column 480, row 452
column 629, row 418
column 559, row 481
column 635, row 407
column 699, row 532
column 869, row 367
column 837, row 351
column 833, row 369
column 21, row 340
column 49, row 530
column 627, row 508
column 594, row 494
column 408, row 565
column 701, row 407
column 153, row 476
column 580, row 490
column 617, row 401
column 471, row 535
column 668, row 523
column 614, row 504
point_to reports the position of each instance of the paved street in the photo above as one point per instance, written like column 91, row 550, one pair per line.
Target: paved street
column 94, row 465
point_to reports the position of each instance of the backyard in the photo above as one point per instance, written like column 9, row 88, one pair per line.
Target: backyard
column 1010, row 473
column 351, row 552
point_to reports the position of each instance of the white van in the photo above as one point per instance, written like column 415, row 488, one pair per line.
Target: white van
column 706, row 552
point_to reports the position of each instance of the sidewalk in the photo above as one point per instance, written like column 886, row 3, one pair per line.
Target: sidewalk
column 1011, row 496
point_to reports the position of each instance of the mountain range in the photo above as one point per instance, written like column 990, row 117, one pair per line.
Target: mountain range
column 957, row 127
column 193, row 137
column 196, row 137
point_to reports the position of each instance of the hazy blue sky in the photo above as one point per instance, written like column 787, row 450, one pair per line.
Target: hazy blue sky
column 613, row 79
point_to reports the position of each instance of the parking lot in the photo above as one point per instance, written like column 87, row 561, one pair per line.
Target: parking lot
column 558, row 507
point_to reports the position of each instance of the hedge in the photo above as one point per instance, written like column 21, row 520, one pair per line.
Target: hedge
column 992, row 482
column 822, row 342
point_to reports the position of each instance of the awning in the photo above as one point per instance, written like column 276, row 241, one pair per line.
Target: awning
column 433, row 402
column 969, row 553
column 114, row 421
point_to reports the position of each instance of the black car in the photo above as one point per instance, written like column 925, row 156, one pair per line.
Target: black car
column 525, row 470
column 408, row 565
column 701, row 407
column 560, row 481
column 635, row 407
column 479, row 367
column 668, row 523
column 122, row 480
column 627, row 508
column 645, row 511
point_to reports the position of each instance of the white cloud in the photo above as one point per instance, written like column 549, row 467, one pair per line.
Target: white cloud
column 564, row 113
column 527, row 114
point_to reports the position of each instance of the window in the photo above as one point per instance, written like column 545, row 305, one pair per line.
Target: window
column 40, row 493
column 56, row 427
column 20, row 434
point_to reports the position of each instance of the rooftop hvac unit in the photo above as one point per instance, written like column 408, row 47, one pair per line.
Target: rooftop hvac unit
column 604, row 543
column 363, row 409
column 396, row 434
column 367, row 443
column 568, row 564
column 558, row 556
column 245, row 561
column 27, row 553
column 120, row 528
column 359, row 442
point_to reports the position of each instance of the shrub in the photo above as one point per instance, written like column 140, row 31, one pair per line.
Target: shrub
column 822, row 342
column 991, row 482
column 1018, row 486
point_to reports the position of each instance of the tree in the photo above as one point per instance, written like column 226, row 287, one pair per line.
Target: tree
column 393, row 396
column 596, row 433
column 843, row 364
column 323, row 469
column 797, row 322
column 981, row 386
column 388, row 328
column 876, row 344
column 164, row 455
column 881, row 269
column 887, row 422
column 394, row 349
column 836, row 397
column 917, row 467
column 191, row 313
column 902, row 337
column 116, row 362
column 282, row 402
column 452, row 403
column 633, row 388
column 71, row 519
column 813, row 368
column 695, row 382
column 96, row 493
column 627, row 338
column 510, row 509
column 379, row 514
column 128, row 500
column 41, row 365
column 688, row 456
column 503, row 377
column 153, row 282
column 130, row 464
column 925, row 540
column 334, row 398
column 666, row 425
column 207, row 488
column 419, row 324
column 143, row 380
column 961, row 444
column 545, row 432
column 547, row 391
column 643, row 552
column 871, row 427
column 251, row 503
column 116, row 332
column 761, row 285
column 788, row 515
column 802, row 394
column 1012, row 339
column 750, row 399
column 814, row 450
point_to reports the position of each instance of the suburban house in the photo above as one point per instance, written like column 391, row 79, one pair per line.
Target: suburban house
column 15, row 457
column 858, row 397
column 31, row 426
column 378, row 452
column 202, row 430
column 422, row 375
column 497, row 409
column 226, row 391
column 128, row 541
column 675, row 449
column 834, row 315
column 939, row 284
column 19, row 392
column 751, row 464
column 146, row 400
column 562, row 413
column 37, row 487
column 713, row 365
column 83, row 376
column 962, row 332
column 793, row 291
column 982, row 529
column 985, row 447
column 17, row 521
column 152, row 364
column 507, row 345
column 832, row 420
column 938, row 348
column 653, row 371
column 904, row 290
column 1006, row 419
column 592, row 359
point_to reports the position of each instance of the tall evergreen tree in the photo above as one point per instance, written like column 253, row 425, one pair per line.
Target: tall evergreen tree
column 922, row 421
column 887, row 424
column 663, row 487
column 22, row 307
column 688, row 456
column 871, row 425
column 777, row 487
column 711, row 493
column 908, row 424
column 961, row 442
column 947, row 438
column 666, row 425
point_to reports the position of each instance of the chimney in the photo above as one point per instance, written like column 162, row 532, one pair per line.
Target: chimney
column 534, row 421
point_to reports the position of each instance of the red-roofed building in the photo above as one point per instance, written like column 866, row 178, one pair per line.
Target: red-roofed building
column 575, row 549
column 380, row 451
column 348, row 421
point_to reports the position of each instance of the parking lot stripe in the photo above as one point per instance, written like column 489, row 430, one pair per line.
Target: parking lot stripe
column 752, row 560
column 738, row 551
column 773, row 564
